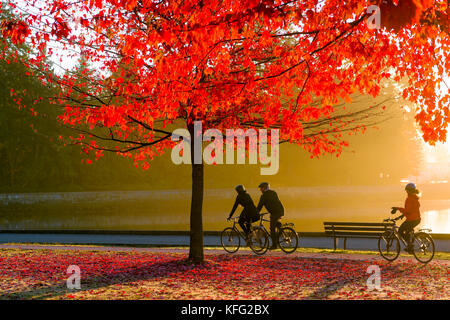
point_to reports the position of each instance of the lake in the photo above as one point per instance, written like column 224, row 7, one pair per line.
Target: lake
column 307, row 207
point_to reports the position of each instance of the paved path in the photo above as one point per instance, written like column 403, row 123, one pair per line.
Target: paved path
column 245, row 251
column 175, row 240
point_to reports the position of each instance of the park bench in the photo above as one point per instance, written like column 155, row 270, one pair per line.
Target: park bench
column 354, row 230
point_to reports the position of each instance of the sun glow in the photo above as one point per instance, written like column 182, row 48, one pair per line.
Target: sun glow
column 440, row 152
column 437, row 153
column 435, row 164
column 438, row 221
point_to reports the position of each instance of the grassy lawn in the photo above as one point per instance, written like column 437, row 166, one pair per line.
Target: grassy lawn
column 42, row 274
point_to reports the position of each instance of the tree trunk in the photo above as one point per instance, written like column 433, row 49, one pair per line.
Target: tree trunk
column 196, row 235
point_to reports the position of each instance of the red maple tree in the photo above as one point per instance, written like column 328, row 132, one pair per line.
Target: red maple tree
column 234, row 64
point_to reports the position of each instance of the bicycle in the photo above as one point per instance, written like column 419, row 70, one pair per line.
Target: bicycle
column 231, row 239
column 287, row 237
column 389, row 243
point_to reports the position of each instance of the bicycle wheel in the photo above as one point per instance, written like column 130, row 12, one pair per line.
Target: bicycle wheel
column 423, row 247
column 230, row 240
column 389, row 246
column 287, row 239
column 258, row 241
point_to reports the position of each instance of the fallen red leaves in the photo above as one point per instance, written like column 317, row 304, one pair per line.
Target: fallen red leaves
column 41, row 274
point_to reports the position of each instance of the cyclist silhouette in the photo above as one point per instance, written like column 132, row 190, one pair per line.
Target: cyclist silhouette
column 269, row 199
column 249, row 214
column 412, row 213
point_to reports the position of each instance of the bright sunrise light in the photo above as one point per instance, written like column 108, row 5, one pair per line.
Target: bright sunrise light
column 440, row 152
column 438, row 221
column 437, row 153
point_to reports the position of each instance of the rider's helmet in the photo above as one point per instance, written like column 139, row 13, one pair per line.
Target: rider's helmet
column 240, row 188
column 264, row 185
column 410, row 187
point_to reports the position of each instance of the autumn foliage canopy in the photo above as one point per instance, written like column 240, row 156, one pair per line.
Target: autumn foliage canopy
column 248, row 63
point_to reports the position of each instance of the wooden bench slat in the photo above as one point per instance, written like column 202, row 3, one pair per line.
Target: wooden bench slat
column 348, row 235
column 363, row 224
column 380, row 229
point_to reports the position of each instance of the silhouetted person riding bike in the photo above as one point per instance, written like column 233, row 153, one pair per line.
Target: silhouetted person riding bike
column 249, row 214
column 269, row 199
column 412, row 213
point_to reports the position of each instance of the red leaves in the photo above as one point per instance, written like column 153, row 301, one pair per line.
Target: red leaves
column 60, row 29
column 234, row 64
column 130, row 4
column 137, row 275
column 96, row 3
column 397, row 14
column 17, row 31
column 84, row 22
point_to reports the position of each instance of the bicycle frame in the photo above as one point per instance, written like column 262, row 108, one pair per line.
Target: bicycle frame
column 394, row 231
column 261, row 220
column 259, row 226
column 395, row 228
column 277, row 229
column 241, row 234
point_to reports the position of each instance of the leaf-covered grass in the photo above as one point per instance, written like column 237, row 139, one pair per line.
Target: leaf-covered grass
column 437, row 256
column 41, row 274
